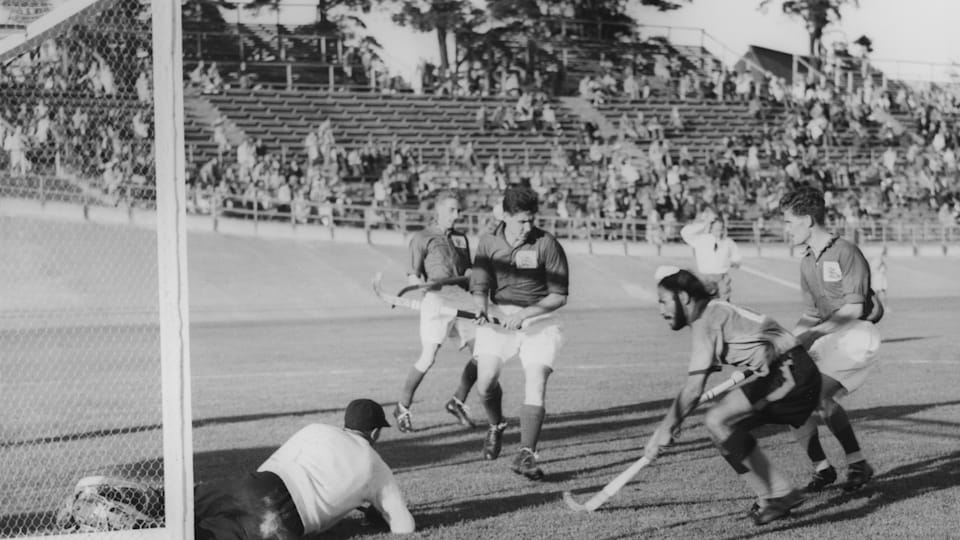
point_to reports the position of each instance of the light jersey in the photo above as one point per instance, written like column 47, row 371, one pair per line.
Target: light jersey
column 736, row 336
column 329, row 472
column 714, row 255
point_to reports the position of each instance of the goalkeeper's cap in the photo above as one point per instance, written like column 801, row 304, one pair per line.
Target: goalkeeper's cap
column 364, row 415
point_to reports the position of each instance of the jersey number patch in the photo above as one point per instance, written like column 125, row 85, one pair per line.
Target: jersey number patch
column 526, row 259
column 831, row 271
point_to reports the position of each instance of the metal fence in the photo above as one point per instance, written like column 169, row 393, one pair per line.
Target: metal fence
column 332, row 216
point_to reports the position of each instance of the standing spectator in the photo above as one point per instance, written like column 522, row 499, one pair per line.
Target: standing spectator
column 631, row 88
column 714, row 252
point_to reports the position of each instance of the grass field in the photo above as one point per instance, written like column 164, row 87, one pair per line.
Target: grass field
column 256, row 382
column 618, row 373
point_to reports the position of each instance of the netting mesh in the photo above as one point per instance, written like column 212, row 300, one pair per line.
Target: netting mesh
column 80, row 384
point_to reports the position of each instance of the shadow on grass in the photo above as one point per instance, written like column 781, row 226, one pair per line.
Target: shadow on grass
column 433, row 448
column 433, row 520
column 888, row 487
column 202, row 422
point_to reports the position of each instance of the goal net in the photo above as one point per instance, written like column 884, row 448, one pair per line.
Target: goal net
column 94, row 370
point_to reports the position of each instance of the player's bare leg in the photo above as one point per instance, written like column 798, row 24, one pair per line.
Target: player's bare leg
column 468, row 378
column 775, row 493
column 491, row 395
column 402, row 414
column 531, row 420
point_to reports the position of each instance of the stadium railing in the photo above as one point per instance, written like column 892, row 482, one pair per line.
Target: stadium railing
column 627, row 231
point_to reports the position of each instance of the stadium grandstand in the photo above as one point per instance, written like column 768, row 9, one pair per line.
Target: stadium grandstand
column 607, row 120
column 626, row 132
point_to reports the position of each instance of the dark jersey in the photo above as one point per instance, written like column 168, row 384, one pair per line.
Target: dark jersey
column 519, row 275
column 836, row 276
column 437, row 254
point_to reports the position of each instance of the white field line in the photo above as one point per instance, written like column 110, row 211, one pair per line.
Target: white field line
column 769, row 277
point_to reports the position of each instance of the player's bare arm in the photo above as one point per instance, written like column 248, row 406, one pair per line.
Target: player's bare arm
column 482, row 303
column 681, row 407
column 840, row 317
column 547, row 304
column 701, row 363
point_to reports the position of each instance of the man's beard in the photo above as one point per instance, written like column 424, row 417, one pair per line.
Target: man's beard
column 679, row 317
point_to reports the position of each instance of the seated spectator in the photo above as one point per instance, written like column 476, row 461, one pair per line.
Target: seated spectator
column 655, row 128
column 630, row 87
column 549, row 118
column 625, row 127
column 524, row 110
column 482, row 118
column 676, row 122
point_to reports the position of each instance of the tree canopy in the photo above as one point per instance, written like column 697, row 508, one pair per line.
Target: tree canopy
column 817, row 14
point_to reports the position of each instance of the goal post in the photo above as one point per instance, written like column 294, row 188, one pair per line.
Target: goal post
column 94, row 316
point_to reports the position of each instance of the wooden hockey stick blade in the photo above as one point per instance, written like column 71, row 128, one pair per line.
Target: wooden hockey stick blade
column 572, row 503
column 626, row 476
column 437, row 283
column 608, row 490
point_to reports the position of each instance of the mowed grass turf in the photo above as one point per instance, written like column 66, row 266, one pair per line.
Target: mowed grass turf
column 256, row 384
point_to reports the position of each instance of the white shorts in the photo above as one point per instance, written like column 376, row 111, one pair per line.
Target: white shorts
column 435, row 326
column 536, row 343
column 848, row 354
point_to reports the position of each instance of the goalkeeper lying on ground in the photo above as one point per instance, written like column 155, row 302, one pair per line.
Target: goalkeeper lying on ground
column 308, row 485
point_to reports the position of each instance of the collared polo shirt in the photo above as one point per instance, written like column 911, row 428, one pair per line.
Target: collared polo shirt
column 836, row 276
column 714, row 255
column 438, row 254
column 519, row 275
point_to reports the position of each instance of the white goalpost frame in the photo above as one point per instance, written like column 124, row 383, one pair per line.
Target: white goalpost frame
column 172, row 268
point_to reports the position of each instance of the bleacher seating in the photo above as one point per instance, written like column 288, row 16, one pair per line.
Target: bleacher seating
column 283, row 119
column 707, row 122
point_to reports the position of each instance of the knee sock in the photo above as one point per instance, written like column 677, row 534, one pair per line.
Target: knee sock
column 809, row 440
column 414, row 376
column 839, row 424
column 531, row 420
column 492, row 404
column 467, row 379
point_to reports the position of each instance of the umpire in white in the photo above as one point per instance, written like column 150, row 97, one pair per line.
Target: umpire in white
column 715, row 252
column 308, row 485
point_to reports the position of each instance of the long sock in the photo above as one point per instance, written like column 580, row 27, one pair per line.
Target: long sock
column 839, row 424
column 531, row 420
column 809, row 440
column 468, row 377
column 492, row 404
column 764, row 473
column 414, row 376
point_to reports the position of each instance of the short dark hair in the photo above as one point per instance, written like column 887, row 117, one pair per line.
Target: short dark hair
column 445, row 194
column 805, row 200
column 520, row 199
column 686, row 281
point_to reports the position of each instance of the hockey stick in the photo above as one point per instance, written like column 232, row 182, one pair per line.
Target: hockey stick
column 621, row 480
column 409, row 303
column 438, row 283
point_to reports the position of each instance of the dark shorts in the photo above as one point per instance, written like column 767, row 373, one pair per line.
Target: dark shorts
column 237, row 509
column 771, row 404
